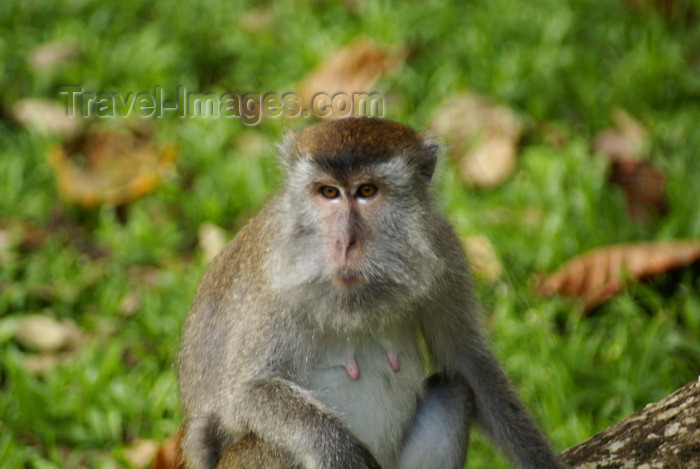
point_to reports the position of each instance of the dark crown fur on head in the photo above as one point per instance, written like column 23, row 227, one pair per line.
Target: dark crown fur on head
column 347, row 145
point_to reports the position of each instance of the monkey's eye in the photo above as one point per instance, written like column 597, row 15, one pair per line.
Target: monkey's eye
column 366, row 190
column 329, row 192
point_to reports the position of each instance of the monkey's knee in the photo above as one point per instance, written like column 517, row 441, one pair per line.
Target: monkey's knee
column 440, row 432
column 250, row 452
column 453, row 394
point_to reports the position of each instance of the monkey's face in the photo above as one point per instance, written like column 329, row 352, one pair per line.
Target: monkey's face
column 358, row 226
column 360, row 236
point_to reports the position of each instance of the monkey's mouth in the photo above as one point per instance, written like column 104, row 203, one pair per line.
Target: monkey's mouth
column 347, row 278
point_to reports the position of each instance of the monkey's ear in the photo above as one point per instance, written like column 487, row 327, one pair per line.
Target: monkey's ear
column 432, row 148
column 287, row 149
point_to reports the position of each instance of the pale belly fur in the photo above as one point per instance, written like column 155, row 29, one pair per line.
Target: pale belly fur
column 373, row 385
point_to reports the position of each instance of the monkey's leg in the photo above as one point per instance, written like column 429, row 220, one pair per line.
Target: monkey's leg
column 250, row 452
column 440, row 431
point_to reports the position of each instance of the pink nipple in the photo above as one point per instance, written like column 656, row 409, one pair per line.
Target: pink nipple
column 353, row 370
column 393, row 360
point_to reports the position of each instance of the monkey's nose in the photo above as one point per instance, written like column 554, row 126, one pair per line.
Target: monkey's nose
column 345, row 248
column 350, row 246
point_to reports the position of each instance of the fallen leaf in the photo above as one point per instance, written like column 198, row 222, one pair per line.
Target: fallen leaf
column 597, row 275
column 483, row 257
column 644, row 185
column 43, row 333
column 119, row 167
column 41, row 363
column 353, row 69
column 129, row 304
column 141, row 453
column 169, row 453
column 481, row 137
column 212, row 239
column 32, row 237
column 144, row 276
column 50, row 54
column 627, row 139
column 490, row 163
column 259, row 20
column 18, row 234
column 46, row 117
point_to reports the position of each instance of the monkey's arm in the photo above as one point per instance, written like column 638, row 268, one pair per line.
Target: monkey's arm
column 504, row 417
column 281, row 412
column 459, row 347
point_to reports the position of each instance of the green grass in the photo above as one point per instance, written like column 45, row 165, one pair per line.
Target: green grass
column 562, row 65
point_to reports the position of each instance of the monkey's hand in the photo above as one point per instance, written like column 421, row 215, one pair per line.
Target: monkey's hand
column 285, row 414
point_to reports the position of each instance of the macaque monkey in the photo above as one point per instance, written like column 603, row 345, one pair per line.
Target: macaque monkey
column 302, row 346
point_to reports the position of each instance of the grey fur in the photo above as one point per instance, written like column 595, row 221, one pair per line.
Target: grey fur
column 266, row 346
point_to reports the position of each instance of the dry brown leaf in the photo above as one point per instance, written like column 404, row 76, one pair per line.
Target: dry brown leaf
column 53, row 342
column 483, row 257
column 169, row 454
column 212, row 239
column 119, row 167
column 597, row 275
column 469, row 115
column 129, row 304
column 141, row 453
column 49, row 342
column 32, row 237
column 46, row 117
column 43, row 333
column 259, row 20
column 353, row 69
column 40, row 364
column 18, row 235
column 144, row 276
column 481, row 137
column 627, row 139
column 490, row 163
column 50, row 54
column 644, row 185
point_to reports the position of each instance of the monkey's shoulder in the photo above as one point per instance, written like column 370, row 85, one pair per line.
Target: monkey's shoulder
column 243, row 253
column 236, row 271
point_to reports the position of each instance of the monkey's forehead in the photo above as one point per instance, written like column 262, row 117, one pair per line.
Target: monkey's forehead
column 363, row 138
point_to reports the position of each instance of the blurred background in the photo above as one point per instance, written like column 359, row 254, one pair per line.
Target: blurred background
column 572, row 174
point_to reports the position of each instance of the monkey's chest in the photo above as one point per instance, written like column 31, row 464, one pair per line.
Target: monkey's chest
column 373, row 386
